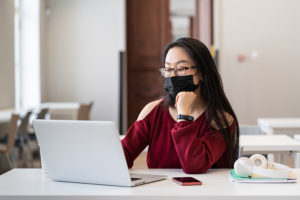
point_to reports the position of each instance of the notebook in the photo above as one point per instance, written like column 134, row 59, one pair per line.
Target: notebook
column 85, row 152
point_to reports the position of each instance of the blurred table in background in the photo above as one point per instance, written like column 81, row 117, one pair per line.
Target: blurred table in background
column 280, row 145
column 287, row 126
column 56, row 110
column 5, row 116
column 62, row 110
column 279, row 126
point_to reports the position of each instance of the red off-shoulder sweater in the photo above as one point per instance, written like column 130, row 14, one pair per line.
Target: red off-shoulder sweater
column 193, row 146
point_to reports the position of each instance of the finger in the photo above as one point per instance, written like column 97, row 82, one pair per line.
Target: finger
column 176, row 100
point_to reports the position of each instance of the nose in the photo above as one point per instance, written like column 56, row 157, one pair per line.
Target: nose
column 174, row 72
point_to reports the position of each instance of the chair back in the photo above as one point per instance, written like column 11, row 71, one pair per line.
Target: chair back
column 12, row 132
column 42, row 113
column 249, row 130
column 24, row 123
column 84, row 111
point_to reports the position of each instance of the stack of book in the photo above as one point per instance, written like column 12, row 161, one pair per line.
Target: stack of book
column 256, row 179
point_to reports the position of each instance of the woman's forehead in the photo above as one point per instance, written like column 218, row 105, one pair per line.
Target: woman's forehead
column 177, row 55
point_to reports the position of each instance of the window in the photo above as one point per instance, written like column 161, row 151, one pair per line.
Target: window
column 27, row 54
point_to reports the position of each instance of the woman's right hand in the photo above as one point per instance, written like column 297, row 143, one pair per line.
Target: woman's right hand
column 184, row 102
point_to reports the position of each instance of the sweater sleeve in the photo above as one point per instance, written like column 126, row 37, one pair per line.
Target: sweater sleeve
column 137, row 138
column 197, row 154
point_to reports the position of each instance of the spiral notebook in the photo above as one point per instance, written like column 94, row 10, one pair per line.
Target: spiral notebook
column 235, row 178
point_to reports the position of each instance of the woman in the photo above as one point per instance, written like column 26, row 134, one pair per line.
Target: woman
column 193, row 127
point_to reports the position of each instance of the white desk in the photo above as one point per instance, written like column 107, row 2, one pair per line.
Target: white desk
column 30, row 184
column 250, row 144
column 288, row 126
column 57, row 110
column 268, row 143
column 5, row 116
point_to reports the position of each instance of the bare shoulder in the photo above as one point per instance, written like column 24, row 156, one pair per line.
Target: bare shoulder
column 229, row 119
column 147, row 109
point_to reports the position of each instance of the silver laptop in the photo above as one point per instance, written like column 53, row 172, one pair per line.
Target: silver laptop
column 85, row 152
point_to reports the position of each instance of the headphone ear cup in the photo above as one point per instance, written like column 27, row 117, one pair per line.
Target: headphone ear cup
column 259, row 160
column 243, row 167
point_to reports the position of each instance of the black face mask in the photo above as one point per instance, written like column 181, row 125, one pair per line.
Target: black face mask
column 176, row 84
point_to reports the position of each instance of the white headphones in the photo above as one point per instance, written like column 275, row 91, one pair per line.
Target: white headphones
column 258, row 165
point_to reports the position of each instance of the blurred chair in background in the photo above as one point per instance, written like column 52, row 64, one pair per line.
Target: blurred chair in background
column 23, row 140
column 84, row 111
column 33, row 143
column 8, row 149
column 42, row 114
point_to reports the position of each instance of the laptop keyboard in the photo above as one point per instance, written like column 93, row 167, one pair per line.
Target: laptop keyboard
column 135, row 179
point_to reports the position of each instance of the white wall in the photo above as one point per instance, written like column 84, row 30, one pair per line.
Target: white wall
column 82, row 40
column 7, row 91
column 267, row 83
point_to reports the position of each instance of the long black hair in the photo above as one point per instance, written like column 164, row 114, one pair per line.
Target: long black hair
column 212, row 92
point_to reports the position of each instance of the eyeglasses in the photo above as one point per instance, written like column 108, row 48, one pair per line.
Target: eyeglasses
column 166, row 72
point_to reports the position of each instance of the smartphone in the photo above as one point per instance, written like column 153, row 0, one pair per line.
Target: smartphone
column 186, row 181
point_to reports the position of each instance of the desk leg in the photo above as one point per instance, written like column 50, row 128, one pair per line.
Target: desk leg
column 271, row 157
column 282, row 158
column 285, row 158
column 296, row 156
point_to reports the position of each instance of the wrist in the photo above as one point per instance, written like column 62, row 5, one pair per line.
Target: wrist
column 181, row 117
column 183, row 112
